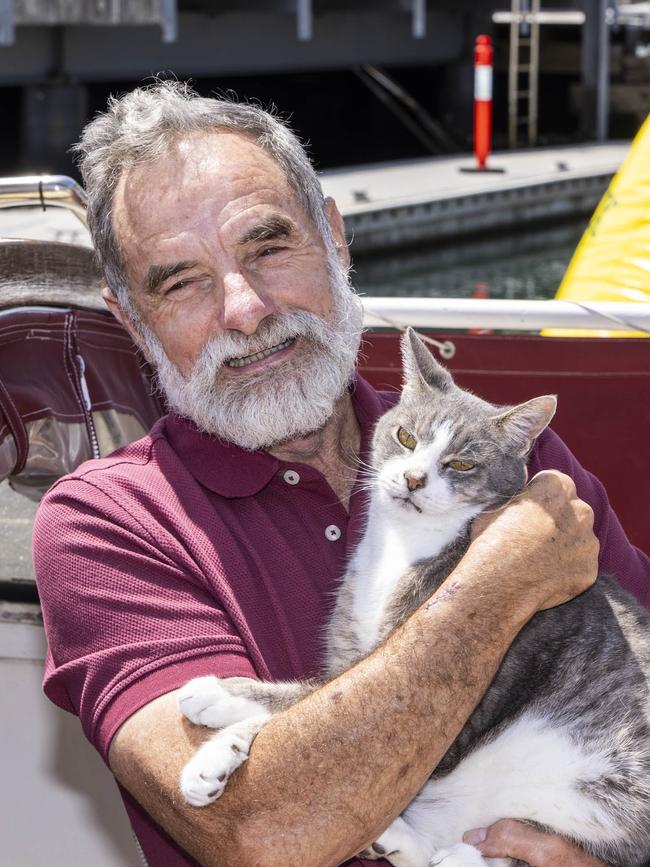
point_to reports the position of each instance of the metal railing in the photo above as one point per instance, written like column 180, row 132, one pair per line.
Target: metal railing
column 506, row 315
column 57, row 191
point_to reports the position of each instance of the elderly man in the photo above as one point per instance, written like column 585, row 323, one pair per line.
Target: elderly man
column 213, row 545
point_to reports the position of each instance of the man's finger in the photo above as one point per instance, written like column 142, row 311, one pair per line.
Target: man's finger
column 510, row 839
column 516, row 840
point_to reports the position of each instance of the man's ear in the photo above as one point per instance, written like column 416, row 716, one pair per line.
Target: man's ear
column 337, row 226
column 114, row 306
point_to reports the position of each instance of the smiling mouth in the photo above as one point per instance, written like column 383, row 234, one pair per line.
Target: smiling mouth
column 258, row 356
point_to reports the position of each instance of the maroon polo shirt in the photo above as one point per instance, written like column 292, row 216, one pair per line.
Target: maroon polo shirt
column 180, row 555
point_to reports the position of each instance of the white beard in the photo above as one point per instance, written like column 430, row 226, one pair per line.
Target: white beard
column 282, row 402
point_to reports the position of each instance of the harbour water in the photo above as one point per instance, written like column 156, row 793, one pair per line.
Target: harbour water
column 527, row 265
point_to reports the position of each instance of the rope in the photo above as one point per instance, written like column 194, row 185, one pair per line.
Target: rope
column 446, row 348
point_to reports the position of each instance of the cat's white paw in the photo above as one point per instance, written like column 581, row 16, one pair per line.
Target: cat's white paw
column 206, row 775
column 400, row 845
column 207, row 701
column 460, row 855
column 370, row 854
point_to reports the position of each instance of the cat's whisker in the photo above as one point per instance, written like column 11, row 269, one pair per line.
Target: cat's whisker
column 361, row 464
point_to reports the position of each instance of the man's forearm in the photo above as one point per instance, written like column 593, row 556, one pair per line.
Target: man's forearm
column 327, row 776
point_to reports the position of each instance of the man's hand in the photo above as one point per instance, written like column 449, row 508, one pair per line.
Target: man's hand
column 510, row 839
column 543, row 538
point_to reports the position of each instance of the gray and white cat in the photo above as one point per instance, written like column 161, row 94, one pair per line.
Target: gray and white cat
column 562, row 736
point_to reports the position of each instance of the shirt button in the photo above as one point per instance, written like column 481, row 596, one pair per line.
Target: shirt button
column 332, row 533
column 291, row 477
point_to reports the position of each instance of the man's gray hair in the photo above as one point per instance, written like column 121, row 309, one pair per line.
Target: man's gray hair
column 140, row 126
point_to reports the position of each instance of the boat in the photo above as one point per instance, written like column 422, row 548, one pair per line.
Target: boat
column 73, row 386
column 612, row 260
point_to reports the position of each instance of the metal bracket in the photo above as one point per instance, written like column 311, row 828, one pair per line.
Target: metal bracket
column 419, row 19
column 304, row 20
column 7, row 29
column 169, row 20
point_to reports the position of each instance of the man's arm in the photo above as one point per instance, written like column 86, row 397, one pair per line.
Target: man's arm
column 326, row 777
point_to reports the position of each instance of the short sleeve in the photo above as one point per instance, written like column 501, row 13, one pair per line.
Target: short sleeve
column 125, row 624
column 618, row 557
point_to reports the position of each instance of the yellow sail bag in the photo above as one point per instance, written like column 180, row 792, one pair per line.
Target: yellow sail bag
column 612, row 260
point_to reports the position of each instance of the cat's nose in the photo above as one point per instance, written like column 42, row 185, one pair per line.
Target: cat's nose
column 415, row 480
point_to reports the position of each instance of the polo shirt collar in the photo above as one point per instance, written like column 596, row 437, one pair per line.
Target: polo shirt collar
column 231, row 471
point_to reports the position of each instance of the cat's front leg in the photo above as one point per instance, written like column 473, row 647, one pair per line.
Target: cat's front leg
column 240, row 706
column 205, row 776
column 218, row 702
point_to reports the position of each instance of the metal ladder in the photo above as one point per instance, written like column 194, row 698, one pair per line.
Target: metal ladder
column 523, row 73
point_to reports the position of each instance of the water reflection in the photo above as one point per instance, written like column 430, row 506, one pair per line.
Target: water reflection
column 527, row 265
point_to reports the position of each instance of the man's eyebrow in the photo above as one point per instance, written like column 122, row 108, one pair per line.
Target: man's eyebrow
column 273, row 227
column 157, row 274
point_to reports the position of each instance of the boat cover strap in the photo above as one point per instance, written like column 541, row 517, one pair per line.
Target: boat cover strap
column 18, row 431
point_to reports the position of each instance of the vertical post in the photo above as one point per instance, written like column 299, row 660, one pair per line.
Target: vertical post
column 419, row 19
column 602, row 95
column 483, row 69
column 169, row 20
column 53, row 116
column 533, row 75
column 304, row 20
column 595, row 70
column 7, row 32
column 513, row 75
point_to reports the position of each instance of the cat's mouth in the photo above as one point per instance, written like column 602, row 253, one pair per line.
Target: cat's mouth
column 407, row 501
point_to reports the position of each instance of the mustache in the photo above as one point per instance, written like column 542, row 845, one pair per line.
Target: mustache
column 274, row 329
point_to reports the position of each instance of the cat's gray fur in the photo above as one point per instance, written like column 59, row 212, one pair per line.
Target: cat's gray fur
column 583, row 666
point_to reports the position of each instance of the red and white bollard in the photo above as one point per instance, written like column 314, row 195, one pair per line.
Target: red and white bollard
column 483, row 67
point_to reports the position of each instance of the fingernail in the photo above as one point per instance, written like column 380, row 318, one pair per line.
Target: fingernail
column 475, row 836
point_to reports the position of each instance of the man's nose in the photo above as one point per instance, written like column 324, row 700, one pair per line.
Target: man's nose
column 244, row 306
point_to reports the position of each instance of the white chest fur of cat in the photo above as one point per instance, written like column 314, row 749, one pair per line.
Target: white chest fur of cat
column 399, row 533
column 548, row 761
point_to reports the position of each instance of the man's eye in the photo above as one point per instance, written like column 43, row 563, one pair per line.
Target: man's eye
column 179, row 284
column 269, row 251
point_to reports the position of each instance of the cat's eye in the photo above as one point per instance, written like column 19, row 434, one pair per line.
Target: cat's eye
column 461, row 466
column 406, row 438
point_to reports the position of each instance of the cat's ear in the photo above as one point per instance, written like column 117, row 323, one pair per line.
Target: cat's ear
column 420, row 367
column 522, row 424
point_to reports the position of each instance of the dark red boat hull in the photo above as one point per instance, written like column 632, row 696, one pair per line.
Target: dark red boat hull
column 603, row 387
